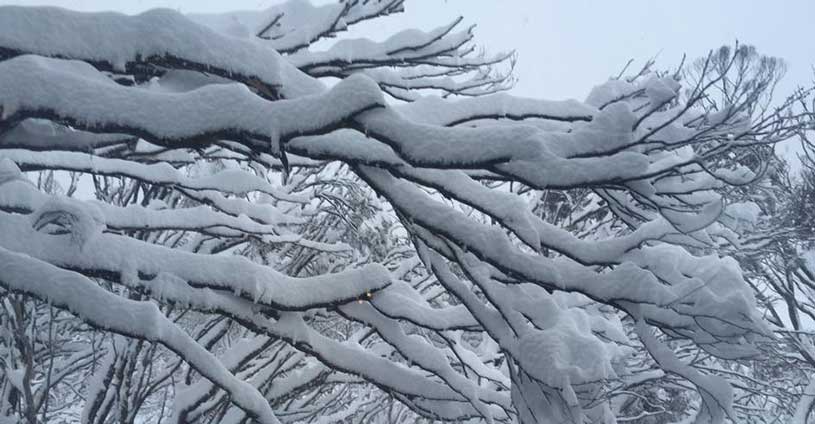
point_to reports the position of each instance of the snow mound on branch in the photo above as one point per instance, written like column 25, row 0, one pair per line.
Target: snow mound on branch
column 118, row 39
column 661, row 90
column 405, row 44
column 9, row 170
column 76, row 90
column 608, row 131
column 438, row 111
column 609, row 91
column 60, row 216
column 688, row 221
column 709, row 288
column 12, row 100
column 742, row 215
column 658, row 90
column 565, row 354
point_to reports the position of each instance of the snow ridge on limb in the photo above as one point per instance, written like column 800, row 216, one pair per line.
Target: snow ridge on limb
column 111, row 255
column 82, row 297
column 39, row 136
column 230, row 181
column 398, row 47
column 22, row 197
column 448, row 113
column 107, row 40
column 37, row 87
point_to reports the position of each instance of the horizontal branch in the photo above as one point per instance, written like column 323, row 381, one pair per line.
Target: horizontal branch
column 109, row 256
column 37, row 87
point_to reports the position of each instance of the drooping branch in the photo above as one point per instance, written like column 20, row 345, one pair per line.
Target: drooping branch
column 95, row 305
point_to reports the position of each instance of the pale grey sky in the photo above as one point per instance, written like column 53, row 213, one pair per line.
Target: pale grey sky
column 566, row 47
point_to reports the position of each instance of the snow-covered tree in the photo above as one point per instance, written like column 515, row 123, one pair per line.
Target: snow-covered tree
column 260, row 229
column 777, row 258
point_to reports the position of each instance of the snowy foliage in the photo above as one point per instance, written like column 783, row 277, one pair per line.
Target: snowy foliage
column 194, row 227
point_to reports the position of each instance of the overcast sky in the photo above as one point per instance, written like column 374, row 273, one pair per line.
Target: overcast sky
column 566, row 47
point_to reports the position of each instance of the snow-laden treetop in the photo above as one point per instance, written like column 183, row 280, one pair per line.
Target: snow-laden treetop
column 418, row 121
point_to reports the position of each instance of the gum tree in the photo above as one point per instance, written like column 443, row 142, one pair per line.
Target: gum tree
column 251, row 243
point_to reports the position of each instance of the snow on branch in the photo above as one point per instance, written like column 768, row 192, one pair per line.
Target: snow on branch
column 36, row 87
column 112, row 47
column 95, row 305
column 111, row 255
column 296, row 24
